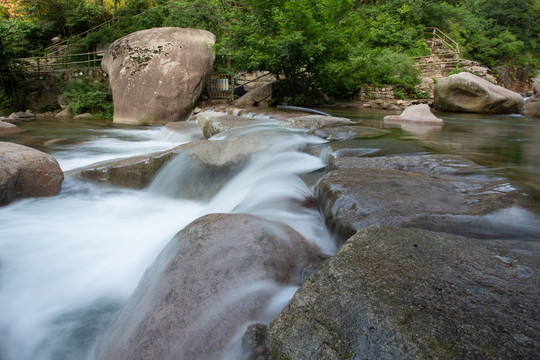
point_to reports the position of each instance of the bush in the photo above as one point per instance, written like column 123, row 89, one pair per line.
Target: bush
column 88, row 96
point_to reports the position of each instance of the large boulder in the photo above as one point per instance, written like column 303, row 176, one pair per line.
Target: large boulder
column 421, row 192
column 465, row 92
column 26, row 172
column 532, row 106
column 157, row 75
column 213, row 278
column 394, row 293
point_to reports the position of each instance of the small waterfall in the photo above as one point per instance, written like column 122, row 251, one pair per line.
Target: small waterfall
column 67, row 263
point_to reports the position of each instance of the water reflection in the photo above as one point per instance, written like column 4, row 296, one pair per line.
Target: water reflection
column 508, row 144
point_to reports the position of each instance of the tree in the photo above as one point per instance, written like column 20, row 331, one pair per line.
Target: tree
column 297, row 41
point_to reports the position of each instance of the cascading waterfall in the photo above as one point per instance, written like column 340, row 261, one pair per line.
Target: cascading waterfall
column 67, row 263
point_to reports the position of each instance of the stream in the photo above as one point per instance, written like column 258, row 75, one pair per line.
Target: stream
column 67, row 263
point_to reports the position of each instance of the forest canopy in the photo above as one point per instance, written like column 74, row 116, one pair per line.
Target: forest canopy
column 310, row 45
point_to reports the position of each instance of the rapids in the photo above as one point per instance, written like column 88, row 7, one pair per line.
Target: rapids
column 67, row 263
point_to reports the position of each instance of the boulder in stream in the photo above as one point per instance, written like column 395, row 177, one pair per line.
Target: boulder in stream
column 394, row 293
column 208, row 283
column 26, row 172
column 465, row 92
column 8, row 128
column 418, row 114
column 157, row 75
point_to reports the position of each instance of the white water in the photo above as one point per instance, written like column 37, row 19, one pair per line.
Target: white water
column 68, row 262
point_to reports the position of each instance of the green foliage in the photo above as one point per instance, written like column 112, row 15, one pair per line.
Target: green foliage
column 296, row 41
column 88, row 96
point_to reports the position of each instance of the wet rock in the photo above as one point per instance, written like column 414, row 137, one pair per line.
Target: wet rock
column 212, row 278
column 254, row 343
column 532, row 106
column 8, row 128
column 213, row 123
column 26, row 172
column 134, row 172
column 413, row 294
column 427, row 164
column 339, row 133
column 256, row 96
column 65, row 113
column 20, row 116
column 314, row 122
column 465, row 92
column 374, row 147
column 206, row 166
column 418, row 114
column 157, row 75
column 381, row 192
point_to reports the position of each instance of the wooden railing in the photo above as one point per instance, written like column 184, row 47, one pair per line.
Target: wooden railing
column 60, row 63
column 449, row 43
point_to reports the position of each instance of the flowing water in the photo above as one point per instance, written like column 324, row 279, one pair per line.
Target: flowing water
column 67, row 263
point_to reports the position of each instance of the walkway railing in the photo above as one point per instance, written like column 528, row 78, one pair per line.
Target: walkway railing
column 437, row 35
column 58, row 63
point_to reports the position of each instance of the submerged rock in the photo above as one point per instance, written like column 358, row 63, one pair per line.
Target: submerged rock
column 314, row 122
column 338, row 133
column 211, row 280
column 157, row 75
column 465, row 92
column 413, row 294
column 26, row 172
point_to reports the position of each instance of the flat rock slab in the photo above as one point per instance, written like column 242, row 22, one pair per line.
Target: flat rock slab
column 214, row 277
column 413, row 294
column 427, row 164
column 381, row 192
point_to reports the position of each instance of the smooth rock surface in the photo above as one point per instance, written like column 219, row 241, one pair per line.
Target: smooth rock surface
column 8, row 128
column 465, row 92
column 213, row 123
column 157, row 75
column 359, row 195
column 314, row 122
column 211, row 280
column 26, row 172
column 418, row 114
column 413, row 294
